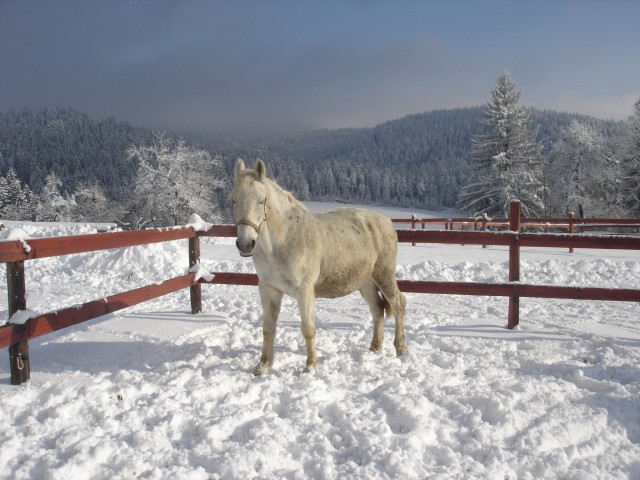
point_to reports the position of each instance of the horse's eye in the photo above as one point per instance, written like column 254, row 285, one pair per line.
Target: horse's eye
column 261, row 202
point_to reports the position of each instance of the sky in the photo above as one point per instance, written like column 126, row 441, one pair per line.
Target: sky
column 223, row 66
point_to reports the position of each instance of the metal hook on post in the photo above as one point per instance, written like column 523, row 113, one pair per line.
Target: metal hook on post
column 19, row 362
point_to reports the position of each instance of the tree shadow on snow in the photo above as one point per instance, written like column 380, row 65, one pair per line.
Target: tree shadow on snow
column 136, row 341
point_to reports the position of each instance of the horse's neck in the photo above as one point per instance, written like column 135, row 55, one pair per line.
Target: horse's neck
column 280, row 207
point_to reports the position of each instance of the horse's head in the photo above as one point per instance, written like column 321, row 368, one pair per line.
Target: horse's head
column 249, row 198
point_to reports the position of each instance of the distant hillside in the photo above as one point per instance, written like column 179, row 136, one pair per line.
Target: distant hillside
column 419, row 160
column 35, row 142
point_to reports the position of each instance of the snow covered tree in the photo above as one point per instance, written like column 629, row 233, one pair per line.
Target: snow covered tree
column 11, row 189
column 29, row 205
column 4, row 195
column 55, row 207
column 91, row 204
column 17, row 202
column 173, row 181
column 583, row 177
column 507, row 158
column 631, row 164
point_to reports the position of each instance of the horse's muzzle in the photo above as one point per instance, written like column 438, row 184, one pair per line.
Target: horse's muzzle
column 246, row 248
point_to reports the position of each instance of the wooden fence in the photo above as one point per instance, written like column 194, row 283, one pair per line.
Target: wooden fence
column 16, row 336
column 570, row 224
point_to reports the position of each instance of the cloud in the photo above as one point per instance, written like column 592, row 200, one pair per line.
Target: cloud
column 277, row 65
column 617, row 107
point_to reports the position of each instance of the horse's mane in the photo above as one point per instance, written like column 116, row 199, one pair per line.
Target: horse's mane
column 249, row 175
column 289, row 196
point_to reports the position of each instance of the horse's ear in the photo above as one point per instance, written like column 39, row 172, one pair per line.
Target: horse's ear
column 238, row 168
column 261, row 169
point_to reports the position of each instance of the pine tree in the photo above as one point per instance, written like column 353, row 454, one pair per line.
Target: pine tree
column 631, row 164
column 507, row 159
column 29, row 205
column 4, row 195
column 10, row 196
column 17, row 202
column 13, row 188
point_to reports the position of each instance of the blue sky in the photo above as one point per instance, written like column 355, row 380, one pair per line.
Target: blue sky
column 228, row 65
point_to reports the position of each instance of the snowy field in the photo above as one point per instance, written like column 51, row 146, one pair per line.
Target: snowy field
column 154, row 392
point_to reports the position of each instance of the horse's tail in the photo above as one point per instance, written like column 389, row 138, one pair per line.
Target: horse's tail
column 388, row 311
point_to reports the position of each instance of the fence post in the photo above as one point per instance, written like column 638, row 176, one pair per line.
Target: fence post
column 18, row 352
column 195, row 290
column 413, row 227
column 571, row 227
column 514, row 263
column 484, row 226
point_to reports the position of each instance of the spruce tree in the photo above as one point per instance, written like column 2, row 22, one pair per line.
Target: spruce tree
column 10, row 196
column 29, row 205
column 13, row 188
column 4, row 195
column 17, row 202
column 507, row 158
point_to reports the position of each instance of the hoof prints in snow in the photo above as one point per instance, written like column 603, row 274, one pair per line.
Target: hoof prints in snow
column 158, row 393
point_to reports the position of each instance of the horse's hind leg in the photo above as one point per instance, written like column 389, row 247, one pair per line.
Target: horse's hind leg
column 307, row 304
column 271, row 300
column 386, row 281
column 400, row 341
column 369, row 292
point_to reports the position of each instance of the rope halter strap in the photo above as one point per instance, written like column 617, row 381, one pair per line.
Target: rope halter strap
column 256, row 226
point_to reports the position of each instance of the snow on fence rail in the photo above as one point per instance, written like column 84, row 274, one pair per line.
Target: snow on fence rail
column 14, row 254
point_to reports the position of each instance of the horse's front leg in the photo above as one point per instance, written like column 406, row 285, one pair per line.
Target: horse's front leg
column 307, row 306
column 271, row 300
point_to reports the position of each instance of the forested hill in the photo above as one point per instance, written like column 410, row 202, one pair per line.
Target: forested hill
column 419, row 160
column 78, row 149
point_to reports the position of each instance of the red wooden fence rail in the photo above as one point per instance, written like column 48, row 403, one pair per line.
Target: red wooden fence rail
column 16, row 336
column 58, row 246
column 569, row 223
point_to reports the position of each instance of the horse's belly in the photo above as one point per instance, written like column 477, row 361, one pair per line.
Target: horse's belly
column 341, row 281
column 333, row 290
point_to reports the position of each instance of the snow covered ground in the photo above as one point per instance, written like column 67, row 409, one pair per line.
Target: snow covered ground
column 154, row 392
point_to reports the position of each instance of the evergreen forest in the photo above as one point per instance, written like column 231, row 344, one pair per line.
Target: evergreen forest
column 421, row 160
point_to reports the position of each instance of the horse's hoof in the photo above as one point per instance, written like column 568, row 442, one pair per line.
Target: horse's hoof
column 400, row 351
column 310, row 368
column 374, row 348
column 261, row 369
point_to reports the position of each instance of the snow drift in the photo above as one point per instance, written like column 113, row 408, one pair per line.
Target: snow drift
column 153, row 392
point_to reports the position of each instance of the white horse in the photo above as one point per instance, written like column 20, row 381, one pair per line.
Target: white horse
column 308, row 256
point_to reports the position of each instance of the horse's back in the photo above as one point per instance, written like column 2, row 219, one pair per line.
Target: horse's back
column 360, row 225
